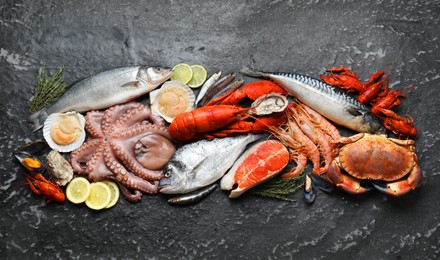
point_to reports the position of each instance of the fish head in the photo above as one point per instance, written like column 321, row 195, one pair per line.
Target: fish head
column 372, row 124
column 175, row 178
column 154, row 76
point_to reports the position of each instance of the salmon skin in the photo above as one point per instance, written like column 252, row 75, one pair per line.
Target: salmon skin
column 259, row 163
column 339, row 107
column 104, row 90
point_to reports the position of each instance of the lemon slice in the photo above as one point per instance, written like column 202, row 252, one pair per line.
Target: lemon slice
column 99, row 197
column 114, row 190
column 78, row 190
column 182, row 72
column 199, row 76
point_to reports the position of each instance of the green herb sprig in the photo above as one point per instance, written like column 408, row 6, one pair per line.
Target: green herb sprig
column 47, row 90
column 280, row 188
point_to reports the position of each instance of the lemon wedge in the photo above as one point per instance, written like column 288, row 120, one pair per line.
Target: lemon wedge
column 182, row 72
column 78, row 190
column 114, row 190
column 100, row 196
column 199, row 76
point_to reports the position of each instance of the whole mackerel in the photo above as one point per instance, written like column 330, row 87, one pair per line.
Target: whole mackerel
column 337, row 106
column 104, row 90
column 199, row 164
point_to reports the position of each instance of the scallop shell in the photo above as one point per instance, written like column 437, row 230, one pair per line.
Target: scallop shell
column 52, row 119
column 177, row 90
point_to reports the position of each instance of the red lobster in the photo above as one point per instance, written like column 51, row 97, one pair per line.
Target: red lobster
column 224, row 119
column 50, row 190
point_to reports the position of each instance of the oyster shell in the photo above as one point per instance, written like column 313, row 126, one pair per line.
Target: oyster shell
column 64, row 132
column 58, row 168
column 172, row 99
column 268, row 104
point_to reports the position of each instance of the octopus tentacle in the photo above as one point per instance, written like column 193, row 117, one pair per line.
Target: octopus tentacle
column 127, row 178
column 113, row 114
column 129, row 160
column 130, row 195
column 93, row 123
column 96, row 168
column 82, row 155
column 132, row 117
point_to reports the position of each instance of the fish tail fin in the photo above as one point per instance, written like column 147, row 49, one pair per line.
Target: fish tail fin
column 37, row 119
column 251, row 70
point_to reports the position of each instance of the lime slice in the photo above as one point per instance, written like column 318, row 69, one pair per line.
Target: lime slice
column 199, row 76
column 182, row 72
column 99, row 197
column 114, row 190
column 78, row 190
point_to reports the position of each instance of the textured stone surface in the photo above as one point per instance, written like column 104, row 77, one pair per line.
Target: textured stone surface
column 292, row 36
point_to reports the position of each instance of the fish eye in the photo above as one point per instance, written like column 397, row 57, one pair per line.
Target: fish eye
column 167, row 174
column 158, row 69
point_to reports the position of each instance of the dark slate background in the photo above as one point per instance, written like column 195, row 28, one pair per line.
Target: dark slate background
column 290, row 36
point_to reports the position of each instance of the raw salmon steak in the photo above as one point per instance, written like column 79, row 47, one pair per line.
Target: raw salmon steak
column 259, row 163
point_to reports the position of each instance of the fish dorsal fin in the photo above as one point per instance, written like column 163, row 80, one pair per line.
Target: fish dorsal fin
column 132, row 84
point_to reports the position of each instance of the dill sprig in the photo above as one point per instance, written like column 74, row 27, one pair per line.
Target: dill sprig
column 47, row 90
column 279, row 188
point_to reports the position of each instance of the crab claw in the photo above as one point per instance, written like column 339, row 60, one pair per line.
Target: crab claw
column 312, row 183
column 399, row 188
column 345, row 182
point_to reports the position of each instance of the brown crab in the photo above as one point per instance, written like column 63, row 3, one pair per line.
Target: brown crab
column 375, row 158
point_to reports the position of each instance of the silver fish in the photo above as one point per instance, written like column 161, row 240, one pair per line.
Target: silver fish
column 207, row 85
column 334, row 105
column 201, row 163
column 192, row 197
column 104, row 90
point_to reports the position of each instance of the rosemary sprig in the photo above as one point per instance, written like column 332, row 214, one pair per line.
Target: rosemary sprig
column 279, row 188
column 47, row 90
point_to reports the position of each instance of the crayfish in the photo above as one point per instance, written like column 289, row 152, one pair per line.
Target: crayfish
column 50, row 190
column 370, row 93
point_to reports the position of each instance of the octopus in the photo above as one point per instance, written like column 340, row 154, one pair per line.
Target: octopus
column 126, row 144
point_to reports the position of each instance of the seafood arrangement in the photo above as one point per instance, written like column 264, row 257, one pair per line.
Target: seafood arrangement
column 184, row 141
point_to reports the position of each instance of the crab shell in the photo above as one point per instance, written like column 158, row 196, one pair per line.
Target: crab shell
column 375, row 157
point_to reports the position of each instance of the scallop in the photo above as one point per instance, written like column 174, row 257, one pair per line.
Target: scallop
column 64, row 132
column 172, row 99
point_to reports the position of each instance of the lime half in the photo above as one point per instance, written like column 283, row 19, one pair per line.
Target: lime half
column 199, row 76
column 182, row 72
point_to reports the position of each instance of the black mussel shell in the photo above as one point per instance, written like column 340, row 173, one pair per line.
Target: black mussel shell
column 36, row 150
column 313, row 183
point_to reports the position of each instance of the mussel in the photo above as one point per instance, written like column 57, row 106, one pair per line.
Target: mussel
column 313, row 183
column 32, row 156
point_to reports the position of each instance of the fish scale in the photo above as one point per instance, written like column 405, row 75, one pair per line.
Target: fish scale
column 339, row 107
column 325, row 88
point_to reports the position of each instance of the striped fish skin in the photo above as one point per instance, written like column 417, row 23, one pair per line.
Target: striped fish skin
column 337, row 106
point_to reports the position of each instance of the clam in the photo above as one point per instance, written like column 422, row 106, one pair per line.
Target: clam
column 32, row 155
column 172, row 99
column 64, row 132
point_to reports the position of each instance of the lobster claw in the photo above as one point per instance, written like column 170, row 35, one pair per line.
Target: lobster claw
column 313, row 183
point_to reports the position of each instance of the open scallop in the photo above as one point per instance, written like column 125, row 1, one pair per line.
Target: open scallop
column 64, row 132
column 172, row 99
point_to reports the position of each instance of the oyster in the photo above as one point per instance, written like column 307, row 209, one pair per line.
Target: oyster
column 172, row 99
column 64, row 132
column 268, row 104
column 58, row 168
